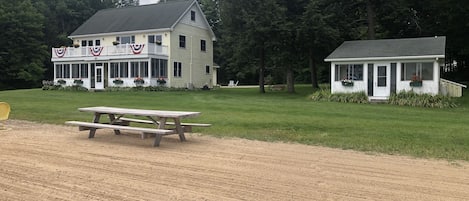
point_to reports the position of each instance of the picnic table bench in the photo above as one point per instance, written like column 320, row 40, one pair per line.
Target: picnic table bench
column 118, row 122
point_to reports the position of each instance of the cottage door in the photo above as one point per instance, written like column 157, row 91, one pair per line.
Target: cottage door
column 99, row 76
column 381, row 79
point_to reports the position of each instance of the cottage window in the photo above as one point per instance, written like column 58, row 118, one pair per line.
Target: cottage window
column 193, row 15
column 177, row 69
column 182, row 41
column 84, row 43
column 203, row 45
column 97, row 42
column 159, row 68
column 207, row 69
column 417, row 71
column 349, row 72
column 90, row 43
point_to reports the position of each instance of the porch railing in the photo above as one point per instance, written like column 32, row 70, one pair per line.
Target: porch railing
column 115, row 50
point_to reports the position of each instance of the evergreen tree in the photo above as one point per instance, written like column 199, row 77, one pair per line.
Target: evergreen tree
column 22, row 50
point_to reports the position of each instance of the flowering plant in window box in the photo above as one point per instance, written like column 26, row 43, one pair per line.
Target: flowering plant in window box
column 161, row 81
column 118, row 81
column 139, row 81
column 347, row 83
column 78, row 82
column 61, row 82
column 416, row 81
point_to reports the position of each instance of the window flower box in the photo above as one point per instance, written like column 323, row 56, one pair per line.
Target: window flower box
column 61, row 82
column 416, row 83
column 78, row 82
column 347, row 83
column 161, row 81
column 118, row 82
column 139, row 81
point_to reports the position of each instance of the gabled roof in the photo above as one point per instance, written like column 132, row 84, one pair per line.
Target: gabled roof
column 407, row 48
column 160, row 16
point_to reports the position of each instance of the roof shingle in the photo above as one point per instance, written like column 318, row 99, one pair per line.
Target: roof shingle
column 154, row 16
column 406, row 47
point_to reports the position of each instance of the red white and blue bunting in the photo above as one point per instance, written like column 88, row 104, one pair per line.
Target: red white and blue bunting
column 96, row 51
column 60, row 52
column 137, row 48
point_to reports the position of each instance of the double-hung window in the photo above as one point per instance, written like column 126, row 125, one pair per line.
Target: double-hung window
column 182, row 41
column 177, row 69
column 192, row 15
column 203, row 45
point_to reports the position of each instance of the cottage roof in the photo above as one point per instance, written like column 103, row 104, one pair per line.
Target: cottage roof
column 407, row 48
column 163, row 15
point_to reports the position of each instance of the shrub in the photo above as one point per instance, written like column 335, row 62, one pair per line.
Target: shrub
column 410, row 98
column 325, row 95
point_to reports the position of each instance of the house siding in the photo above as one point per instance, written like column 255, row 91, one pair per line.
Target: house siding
column 192, row 58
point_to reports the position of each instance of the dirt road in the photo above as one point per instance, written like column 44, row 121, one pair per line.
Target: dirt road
column 50, row 162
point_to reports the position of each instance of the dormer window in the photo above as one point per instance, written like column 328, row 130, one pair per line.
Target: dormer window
column 193, row 15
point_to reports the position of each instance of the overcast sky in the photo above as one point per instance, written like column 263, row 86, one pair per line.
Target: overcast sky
column 145, row 2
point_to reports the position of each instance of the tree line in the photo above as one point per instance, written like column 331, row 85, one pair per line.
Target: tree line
column 259, row 42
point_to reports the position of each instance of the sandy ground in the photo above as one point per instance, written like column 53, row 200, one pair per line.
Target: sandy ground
column 50, row 162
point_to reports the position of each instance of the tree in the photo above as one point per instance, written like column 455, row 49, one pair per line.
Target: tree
column 253, row 29
column 321, row 28
column 126, row 3
column 22, row 55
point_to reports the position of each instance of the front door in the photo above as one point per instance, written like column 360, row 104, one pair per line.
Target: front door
column 381, row 80
column 99, row 76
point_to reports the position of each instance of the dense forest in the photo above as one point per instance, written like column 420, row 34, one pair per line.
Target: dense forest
column 262, row 41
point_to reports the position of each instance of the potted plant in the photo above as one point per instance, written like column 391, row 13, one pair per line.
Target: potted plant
column 118, row 81
column 78, row 82
column 347, row 83
column 416, row 81
column 139, row 81
column 76, row 45
column 115, row 42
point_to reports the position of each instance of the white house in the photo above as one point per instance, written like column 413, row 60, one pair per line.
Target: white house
column 382, row 67
column 170, row 41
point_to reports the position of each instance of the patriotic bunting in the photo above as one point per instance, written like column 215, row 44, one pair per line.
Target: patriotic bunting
column 96, row 51
column 137, row 48
column 60, row 52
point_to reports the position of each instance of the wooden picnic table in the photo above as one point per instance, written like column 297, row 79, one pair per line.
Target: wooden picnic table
column 158, row 117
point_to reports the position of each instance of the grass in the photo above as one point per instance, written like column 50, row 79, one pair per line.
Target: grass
column 276, row 116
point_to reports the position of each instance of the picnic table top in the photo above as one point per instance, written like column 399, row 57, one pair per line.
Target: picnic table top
column 139, row 112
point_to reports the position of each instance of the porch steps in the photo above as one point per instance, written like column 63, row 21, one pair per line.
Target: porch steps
column 378, row 99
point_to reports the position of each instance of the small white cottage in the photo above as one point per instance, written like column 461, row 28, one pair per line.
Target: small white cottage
column 382, row 67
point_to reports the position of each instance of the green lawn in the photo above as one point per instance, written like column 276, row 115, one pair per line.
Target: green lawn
column 276, row 116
